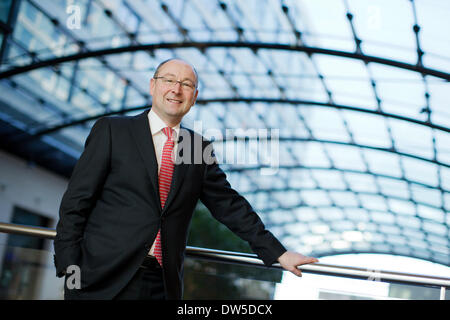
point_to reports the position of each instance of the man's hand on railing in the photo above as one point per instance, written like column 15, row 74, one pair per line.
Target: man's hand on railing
column 291, row 260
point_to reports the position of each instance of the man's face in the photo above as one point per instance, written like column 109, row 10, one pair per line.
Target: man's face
column 172, row 100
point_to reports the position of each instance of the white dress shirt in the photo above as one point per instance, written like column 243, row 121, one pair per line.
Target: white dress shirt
column 159, row 138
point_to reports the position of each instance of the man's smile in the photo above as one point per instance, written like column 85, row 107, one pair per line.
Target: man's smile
column 174, row 100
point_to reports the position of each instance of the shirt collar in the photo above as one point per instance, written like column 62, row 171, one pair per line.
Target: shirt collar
column 157, row 124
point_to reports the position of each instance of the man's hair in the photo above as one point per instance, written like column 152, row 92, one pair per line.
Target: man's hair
column 171, row 59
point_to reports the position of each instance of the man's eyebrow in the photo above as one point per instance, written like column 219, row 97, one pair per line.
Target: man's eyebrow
column 168, row 74
column 172, row 75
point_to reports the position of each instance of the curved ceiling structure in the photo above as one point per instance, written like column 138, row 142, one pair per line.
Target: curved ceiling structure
column 332, row 117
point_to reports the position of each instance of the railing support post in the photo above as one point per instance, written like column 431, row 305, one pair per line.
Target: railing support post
column 442, row 296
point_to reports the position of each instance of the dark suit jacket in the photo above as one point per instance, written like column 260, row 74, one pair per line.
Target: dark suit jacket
column 111, row 212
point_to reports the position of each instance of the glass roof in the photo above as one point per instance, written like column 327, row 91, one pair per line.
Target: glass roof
column 331, row 116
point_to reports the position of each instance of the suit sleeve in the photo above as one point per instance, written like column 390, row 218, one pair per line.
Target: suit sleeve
column 82, row 192
column 234, row 211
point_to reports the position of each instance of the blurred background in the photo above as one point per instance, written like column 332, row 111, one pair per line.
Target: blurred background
column 353, row 96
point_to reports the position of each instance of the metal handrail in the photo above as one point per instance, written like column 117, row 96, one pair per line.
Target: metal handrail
column 251, row 259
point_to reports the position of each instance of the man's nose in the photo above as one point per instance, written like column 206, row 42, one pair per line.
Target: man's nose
column 177, row 87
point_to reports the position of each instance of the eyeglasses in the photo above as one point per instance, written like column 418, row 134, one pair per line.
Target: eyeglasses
column 170, row 82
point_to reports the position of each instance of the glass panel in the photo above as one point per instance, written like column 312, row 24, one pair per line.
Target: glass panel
column 328, row 124
column 420, row 171
column 347, row 79
column 344, row 199
column 327, row 24
column 393, row 188
column 319, row 287
column 442, row 145
column 221, row 281
column 314, row 155
column 411, row 292
column 126, row 16
column 5, row 6
column 440, row 95
column 328, row 180
column 433, row 18
column 346, row 157
column 38, row 33
column 412, row 139
column 368, row 129
column 28, row 274
column 401, row 92
column 383, row 163
column 385, row 27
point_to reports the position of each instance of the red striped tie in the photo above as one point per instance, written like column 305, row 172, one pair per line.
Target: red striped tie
column 165, row 179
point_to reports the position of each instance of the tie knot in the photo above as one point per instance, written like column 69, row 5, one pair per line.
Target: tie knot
column 168, row 132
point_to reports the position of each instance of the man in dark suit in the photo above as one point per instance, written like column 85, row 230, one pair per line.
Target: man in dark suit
column 125, row 216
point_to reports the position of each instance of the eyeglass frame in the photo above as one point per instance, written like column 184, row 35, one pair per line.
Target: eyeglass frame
column 172, row 83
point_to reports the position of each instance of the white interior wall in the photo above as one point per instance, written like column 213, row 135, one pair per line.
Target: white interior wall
column 37, row 190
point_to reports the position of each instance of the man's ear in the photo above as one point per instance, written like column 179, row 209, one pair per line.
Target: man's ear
column 152, row 86
column 195, row 98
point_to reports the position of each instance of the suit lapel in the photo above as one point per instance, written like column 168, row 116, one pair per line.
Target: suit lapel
column 143, row 137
